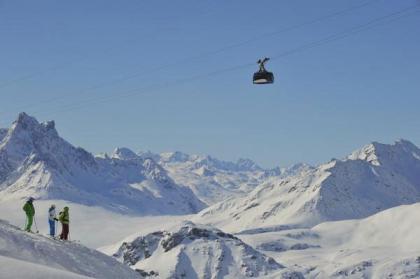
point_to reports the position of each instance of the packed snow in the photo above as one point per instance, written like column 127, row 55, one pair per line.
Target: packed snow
column 26, row 253
column 13, row 268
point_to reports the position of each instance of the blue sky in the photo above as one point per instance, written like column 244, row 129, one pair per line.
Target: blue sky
column 109, row 73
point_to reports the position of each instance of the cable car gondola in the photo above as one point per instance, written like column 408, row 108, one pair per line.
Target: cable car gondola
column 263, row 76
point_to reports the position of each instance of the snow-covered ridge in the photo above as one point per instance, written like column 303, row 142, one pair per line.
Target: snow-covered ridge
column 208, row 161
column 53, row 258
column 196, row 162
column 36, row 161
column 375, row 178
column 189, row 249
column 124, row 153
column 214, row 180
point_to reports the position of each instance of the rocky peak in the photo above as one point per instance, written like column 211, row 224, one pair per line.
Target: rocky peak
column 247, row 164
column 25, row 121
column 49, row 125
column 379, row 154
column 174, row 157
column 27, row 128
column 124, row 153
column 154, row 171
column 149, row 154
column 27, row 137
column 204, row 171
column 366, row 153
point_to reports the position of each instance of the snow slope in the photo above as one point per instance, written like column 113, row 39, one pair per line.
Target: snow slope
column 13, row 268
column 188, row 250
column 36, row 161
column 370, row 180
column 384, row 245
column 25, row 255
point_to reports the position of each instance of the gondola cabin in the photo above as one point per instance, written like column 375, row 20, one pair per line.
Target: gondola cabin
column 263, row 76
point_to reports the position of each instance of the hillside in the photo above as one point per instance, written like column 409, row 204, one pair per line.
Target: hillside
column 371, row 179
column 35, row 256
column 384, row 245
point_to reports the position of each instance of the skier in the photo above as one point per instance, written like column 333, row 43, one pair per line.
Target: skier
column 63, row 217
column 30, row 213
column 52, row 217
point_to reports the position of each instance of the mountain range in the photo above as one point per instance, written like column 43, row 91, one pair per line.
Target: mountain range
column 214, row 180
column 296, row 222
column 372, row 179
column 36, row 161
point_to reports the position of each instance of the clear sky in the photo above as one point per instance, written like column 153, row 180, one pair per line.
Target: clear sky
column 134, row 73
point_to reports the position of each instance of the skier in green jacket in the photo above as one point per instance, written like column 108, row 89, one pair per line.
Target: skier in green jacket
column 64, row 219
column 30, row 213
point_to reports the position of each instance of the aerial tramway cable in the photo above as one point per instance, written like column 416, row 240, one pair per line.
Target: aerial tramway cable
column 340, row 35
column 388, row 18
column 199, row 56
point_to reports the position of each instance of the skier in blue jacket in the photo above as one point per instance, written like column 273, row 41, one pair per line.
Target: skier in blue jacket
column 52, row 217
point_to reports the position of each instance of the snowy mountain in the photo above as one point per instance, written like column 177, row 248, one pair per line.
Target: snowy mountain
column 371, row 179
column 214, row 180
column 24, row 255
column 36, row 161
column 384, row 245
column 195, row 251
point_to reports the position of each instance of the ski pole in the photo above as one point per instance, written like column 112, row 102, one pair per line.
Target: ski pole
column 36, row 227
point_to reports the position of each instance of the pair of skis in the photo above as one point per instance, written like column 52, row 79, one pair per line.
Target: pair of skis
column 26, row 224
column 57, row 238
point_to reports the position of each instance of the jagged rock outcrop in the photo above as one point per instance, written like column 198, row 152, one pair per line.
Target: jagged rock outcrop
column 190, row 249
